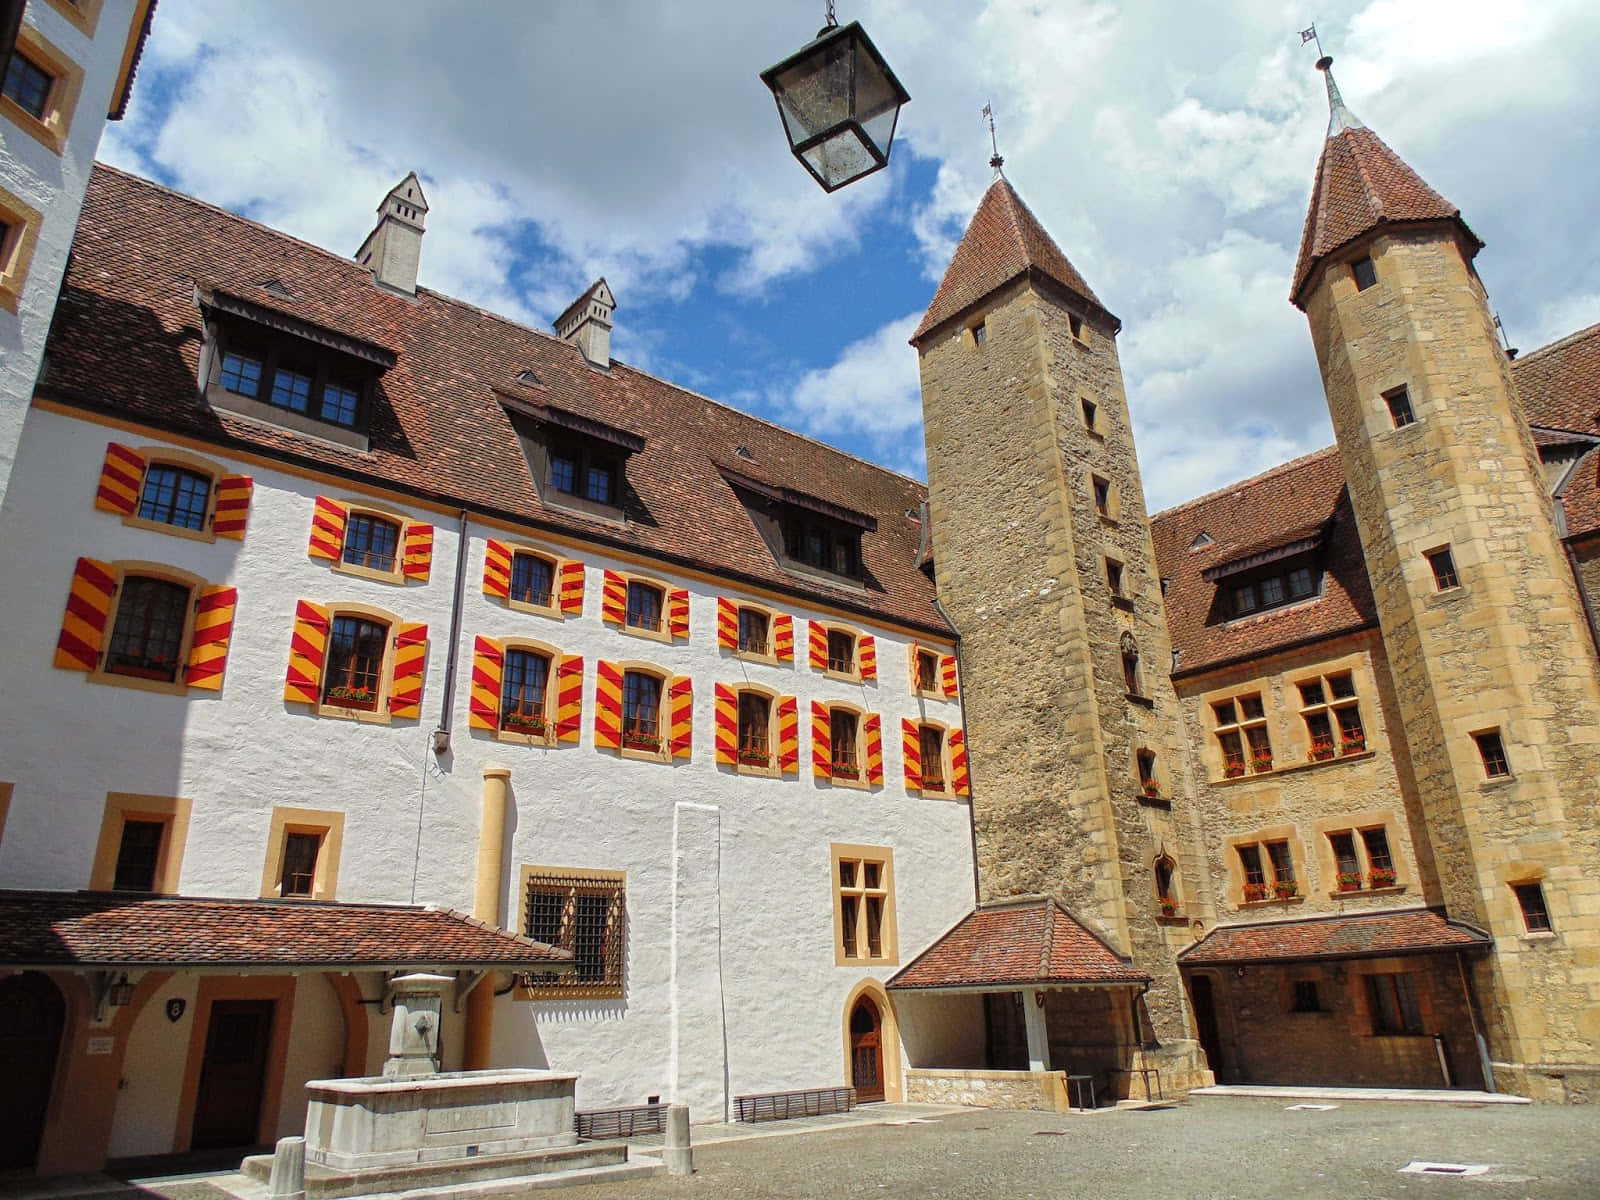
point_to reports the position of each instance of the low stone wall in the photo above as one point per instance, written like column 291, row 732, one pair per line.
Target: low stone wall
column 1038, row 1090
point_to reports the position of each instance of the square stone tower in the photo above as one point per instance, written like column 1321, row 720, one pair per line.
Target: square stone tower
column 1044, row 563
column 1495, row 671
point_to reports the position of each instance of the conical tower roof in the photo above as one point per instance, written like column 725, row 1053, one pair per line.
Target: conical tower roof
column 1003, row 240
column 1361, row 185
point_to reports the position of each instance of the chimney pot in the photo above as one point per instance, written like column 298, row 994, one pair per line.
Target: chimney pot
column 394, row 247
column 587, row 323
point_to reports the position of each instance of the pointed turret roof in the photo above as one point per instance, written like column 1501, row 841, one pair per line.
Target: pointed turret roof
column 1004, row 240
column 1361, row 185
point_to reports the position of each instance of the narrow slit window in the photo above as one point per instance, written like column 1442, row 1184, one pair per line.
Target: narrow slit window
column 1090, row 412
column 980, row 334
column 1102, row 495
column 1399, row 402
column 1443, row 565
column 1114, row 576
column 1492, row 750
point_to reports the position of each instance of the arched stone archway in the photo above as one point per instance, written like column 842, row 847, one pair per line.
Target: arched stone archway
column 870, row 1027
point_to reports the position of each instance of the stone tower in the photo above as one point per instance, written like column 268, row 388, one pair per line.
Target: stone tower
column 394, row 247
column 1483, row 626
column 1044, row 563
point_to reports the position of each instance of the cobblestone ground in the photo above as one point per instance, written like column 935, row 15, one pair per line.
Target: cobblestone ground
column 1234, row 1148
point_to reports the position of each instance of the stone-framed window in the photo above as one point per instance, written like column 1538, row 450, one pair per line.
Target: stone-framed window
column 1492, row 752
column 1362, row 858
column 863, row 905
column 1398, row 401
column 1443, row 565
column 1241, row 732
column 141, row 844
column 580, row 910
column 1535, row 912
column 1365, row 272
column 302, row 859
column 1332, row 713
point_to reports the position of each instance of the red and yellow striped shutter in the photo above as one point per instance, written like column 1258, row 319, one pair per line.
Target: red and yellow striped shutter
column 121, row 479
column 817, row 645
column 418, row 561
column 913, row 656
column 874, row 749
column 410, row 659
column 947, row 675
column 213, row 626
column 233, row 506
column 959, row 783
column 911, row 752
column 569, row 698
column 727, row 624
column 867, row 656
column 821, row 741
column 614, row 599
column 496, row 569
column 571, row 601
column 483, row 705
column 783, row 637
column 307, row 651
column 788, row 735
column 607, row 705
column 83, row 629
column 680, row 706
column 678, row 612
column 727, row 732
column 327, row 530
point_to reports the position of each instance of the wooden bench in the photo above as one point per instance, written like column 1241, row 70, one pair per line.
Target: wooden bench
column 782, row 1106
column 621, row 1122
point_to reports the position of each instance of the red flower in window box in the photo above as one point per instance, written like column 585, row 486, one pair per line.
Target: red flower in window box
column 1285, row 889
column 1234, row 769
column 755, row 758
column 1381, row 877
column 1262, row 762
column 641, row 741
column 1349, row 881
column 352, row 697
column 1169, row 906
column 518, row 723
column 846, row 771
column 1321, row 751
column 1151, row 787
column 1254, row 892
column 1353, row 743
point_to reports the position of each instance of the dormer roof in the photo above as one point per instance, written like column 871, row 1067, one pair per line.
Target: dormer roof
column 1003, row 240
column 408, row 191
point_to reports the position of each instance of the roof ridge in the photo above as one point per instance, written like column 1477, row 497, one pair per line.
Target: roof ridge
column 1047, row 943
column 1269, row 473
column 1572, row 338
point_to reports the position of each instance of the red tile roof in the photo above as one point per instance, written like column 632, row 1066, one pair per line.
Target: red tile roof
column 1560, row 383
column 1003, row 240
column 127, row 338
column 1369, row 935
column 1017, row 943
column 89, row 929
column 1360, row 185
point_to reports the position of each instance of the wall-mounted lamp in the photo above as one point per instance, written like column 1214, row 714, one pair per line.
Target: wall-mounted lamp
column 1239, row 971
column 120, row 993
column 1038, row 997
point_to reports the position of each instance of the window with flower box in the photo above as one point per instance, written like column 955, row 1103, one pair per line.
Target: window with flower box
column 844, row 727
column 1145, row 760
column 1332, row 713
column 1241, row 732
column 353, row 674
column 1259, row 860
column 641, row 711
column 524, row 686
column 1166, row 894
column 1362, row 858
column 755, row 730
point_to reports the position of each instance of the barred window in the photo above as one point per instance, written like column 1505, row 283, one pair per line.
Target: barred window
column 583, row 913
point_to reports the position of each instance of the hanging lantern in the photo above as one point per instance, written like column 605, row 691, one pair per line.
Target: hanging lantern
column 839, row 103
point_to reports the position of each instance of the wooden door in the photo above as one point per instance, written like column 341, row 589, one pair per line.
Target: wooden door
column 227, row 1104
column 32, row 1013
column 1205, row 1021
column 866, row 1052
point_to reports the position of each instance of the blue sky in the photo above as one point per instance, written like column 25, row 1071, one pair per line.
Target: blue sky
column 1169, row 148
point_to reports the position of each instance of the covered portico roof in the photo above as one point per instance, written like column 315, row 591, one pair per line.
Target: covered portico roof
column 1366, row 935
column 97, row 930
column 1028, row 941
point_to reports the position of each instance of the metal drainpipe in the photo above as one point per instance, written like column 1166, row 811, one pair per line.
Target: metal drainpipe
column 441, row 735
column 972, row 783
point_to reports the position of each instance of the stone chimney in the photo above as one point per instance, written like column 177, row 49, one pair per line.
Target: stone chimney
column 394, row 247
column 587, row 323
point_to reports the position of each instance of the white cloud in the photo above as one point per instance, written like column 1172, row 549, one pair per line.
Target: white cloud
column 872, row 389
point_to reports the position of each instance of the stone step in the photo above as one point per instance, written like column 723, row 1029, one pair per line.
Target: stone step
column 642, row 1168
column 324, row 1183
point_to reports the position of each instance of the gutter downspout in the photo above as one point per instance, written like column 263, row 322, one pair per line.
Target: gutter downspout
column 441, row 735
column 972, row 782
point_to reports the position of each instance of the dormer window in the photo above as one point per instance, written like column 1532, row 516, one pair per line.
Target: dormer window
column 805, row 533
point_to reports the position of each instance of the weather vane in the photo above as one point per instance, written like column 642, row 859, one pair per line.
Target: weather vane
column 995, row 160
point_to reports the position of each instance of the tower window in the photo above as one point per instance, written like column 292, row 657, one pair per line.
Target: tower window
column 1443, row 565
column 1102, row 495
column 1130, row 666
column 1493, row 753
column 1399, row 402
column 1366, row 273
column 28, row 84
column 1535, row 914
column 1075, row 324
column 1147, row 770
column 980, row 334
column 1114, row 576
column 1090, row 412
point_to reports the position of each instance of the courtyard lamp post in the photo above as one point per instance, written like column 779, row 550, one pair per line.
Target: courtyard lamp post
column 839, row 102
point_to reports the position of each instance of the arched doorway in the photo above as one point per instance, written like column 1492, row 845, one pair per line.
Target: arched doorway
column 866, row 1051
column 32, row 1013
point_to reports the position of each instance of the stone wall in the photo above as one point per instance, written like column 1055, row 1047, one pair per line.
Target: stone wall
column 1038, row 1090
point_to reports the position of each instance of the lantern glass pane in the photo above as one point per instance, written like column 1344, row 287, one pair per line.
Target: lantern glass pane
column 880, row 129
column 840, row 158
column 814, row 94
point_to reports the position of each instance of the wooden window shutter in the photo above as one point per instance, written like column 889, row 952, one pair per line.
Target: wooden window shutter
column 727, row 624
column 947, row 675
column 821, row 740
column 727, row 730
column 121, row 480
column 418, row 561
column 232, row 507
column 488, row 663
column 959, row 783
column 867, row 656
column 911, row 752
column 913, row 655
column 607, row 705
column 569, row 698
column 307, row 651
column 817, row 645
column 678, row 612
column 680, row 701
column 571, row 587
column 497, row 570
column 327, row 530
column 410, row 659
column 83, row 628
column 788, row 735
column 874, row 730
column 213, row 627
column 614, row 599
column 783, row 637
